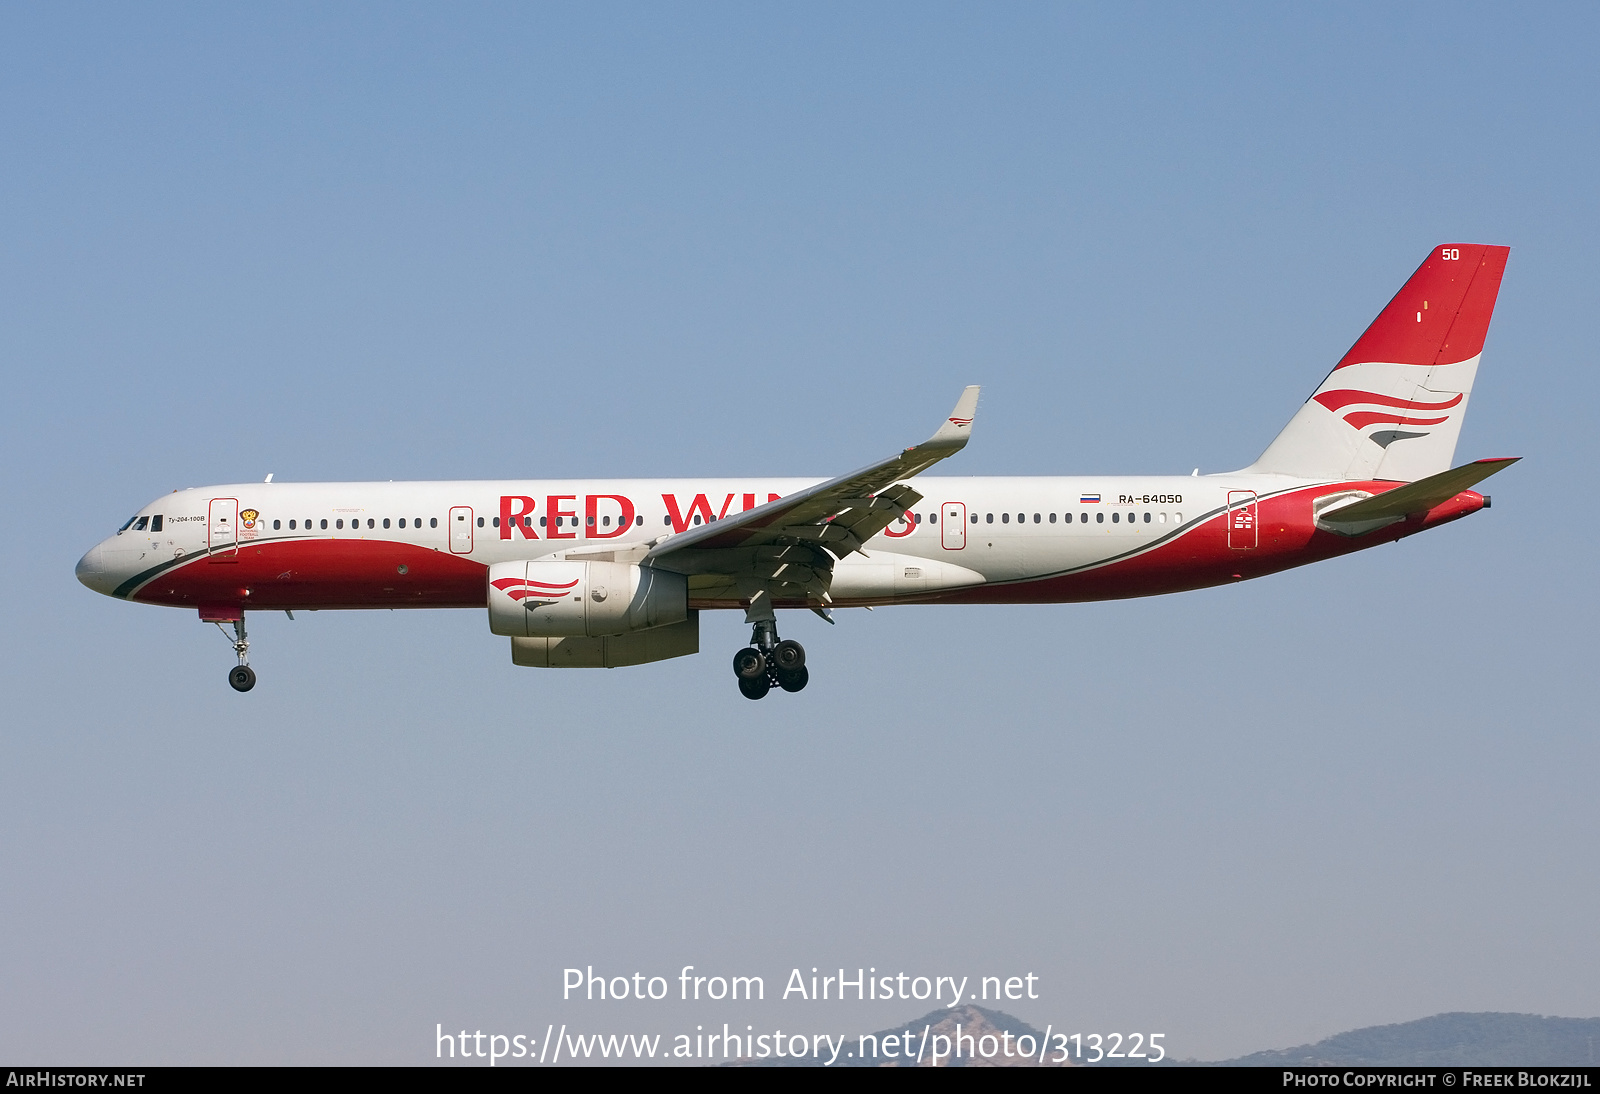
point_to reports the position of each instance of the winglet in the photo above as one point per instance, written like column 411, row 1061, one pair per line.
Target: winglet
column 957, row 428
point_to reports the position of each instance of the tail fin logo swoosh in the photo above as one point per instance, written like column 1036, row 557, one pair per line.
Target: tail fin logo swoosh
column 521, row 589
column 1338, row 400
column 1396, row 412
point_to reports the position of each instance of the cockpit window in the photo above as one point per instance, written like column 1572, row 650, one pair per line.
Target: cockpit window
column 155, row 523
column 140, row 525
column 126, row 526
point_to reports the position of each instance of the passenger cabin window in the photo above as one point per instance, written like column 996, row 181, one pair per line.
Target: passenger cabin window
column 1052, row 518
column 324, row 523
column 402, row 522
column 276, row 525
column 433, row 522
column 988, row 518
column 1099, row 518
column 1005, row 518
column 494, row 520
column 385, row 522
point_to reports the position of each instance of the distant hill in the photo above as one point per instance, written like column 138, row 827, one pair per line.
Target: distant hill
column 1459, row 1039
column 1445, row 1040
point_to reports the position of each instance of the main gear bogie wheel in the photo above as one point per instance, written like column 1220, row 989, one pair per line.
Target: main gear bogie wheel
column 789, row 656
column 793, row 681
column 749, row 664
column 755, row 688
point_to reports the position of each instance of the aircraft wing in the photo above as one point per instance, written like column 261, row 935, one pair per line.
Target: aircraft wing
column 805, row 531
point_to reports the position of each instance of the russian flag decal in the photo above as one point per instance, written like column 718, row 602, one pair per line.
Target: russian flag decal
column 1089, row 499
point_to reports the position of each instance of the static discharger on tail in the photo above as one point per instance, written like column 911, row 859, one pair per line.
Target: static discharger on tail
column 608, row 573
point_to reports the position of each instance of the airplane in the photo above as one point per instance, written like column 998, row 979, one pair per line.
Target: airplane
column 609, row 573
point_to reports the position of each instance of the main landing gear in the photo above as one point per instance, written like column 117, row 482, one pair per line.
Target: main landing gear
column 243, row 677
column 766, row 662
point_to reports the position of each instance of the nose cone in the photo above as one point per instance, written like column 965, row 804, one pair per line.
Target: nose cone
column 93, row 572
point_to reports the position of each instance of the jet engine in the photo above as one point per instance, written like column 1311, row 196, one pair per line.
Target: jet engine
column 561, row 599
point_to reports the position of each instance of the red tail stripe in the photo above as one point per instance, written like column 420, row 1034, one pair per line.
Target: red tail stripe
column 1336, row 400
column 1363, row 418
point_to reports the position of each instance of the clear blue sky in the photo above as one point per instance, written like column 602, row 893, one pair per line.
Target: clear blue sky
column 402, row 241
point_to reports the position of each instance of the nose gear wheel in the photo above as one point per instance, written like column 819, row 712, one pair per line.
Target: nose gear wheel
column 242, row 677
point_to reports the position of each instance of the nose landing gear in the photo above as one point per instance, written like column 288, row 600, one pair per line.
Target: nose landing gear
column 767, row 662
column 242, row 677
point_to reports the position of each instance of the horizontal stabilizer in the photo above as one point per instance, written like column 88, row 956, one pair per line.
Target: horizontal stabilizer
column 1416, row 497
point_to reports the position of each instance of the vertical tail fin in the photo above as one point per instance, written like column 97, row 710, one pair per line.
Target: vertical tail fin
column 1392, row 407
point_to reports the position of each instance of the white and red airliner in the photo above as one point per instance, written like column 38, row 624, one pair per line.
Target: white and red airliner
column 590, row 573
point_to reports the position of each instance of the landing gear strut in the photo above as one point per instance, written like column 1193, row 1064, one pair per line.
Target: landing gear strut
column 242, row 677
column 767, row 661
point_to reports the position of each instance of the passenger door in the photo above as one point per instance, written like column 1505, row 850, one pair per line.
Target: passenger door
column 953, row 525
column 222, row 530
column 1242, row 519
column 461, row 530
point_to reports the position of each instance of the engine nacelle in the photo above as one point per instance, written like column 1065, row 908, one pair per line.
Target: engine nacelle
column 556, row 599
